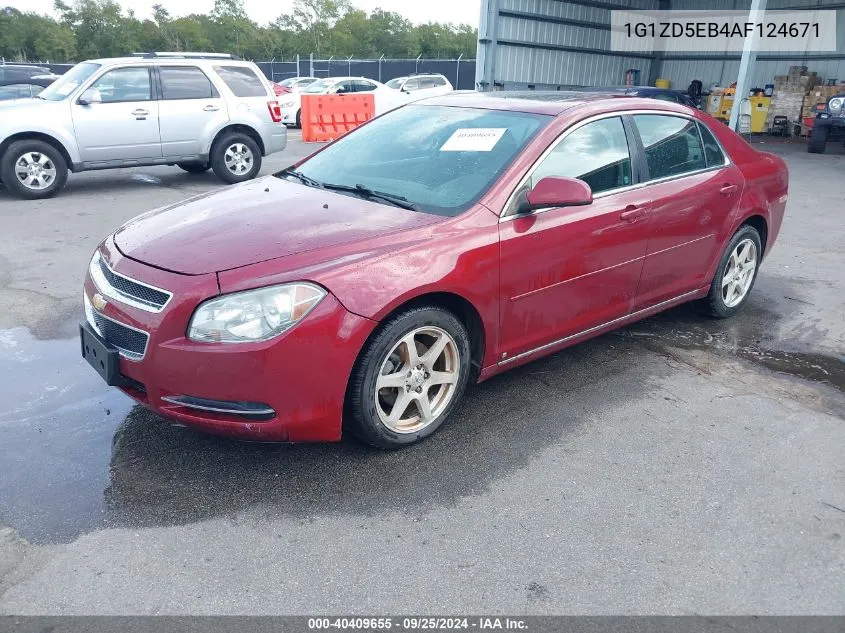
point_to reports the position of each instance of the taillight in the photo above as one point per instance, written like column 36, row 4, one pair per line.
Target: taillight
column 275, row 111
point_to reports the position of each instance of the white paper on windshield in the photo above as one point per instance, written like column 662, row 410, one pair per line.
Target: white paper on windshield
column 478, row 139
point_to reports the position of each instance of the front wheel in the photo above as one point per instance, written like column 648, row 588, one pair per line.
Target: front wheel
column 409, row 377
column 818, row 139
column 236, row 158
column 736, row 273
column 33, row 169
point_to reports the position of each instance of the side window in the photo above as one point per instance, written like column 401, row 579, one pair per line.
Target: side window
column 712, row 151
column 242, row 81
column 364, row 86
column 344, row 87
column 672, row 145
column 596, row 153
column 411, row 85
column 125, row 84
column 439, row 81
column 185, row 82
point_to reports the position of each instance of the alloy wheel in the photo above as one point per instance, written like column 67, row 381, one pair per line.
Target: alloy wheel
column 417, row 380
column 35, row 171
column 739, row 273
column 238, row 159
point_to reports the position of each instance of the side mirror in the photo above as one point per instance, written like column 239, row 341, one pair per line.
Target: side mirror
column 557, row 192
column 90, row 96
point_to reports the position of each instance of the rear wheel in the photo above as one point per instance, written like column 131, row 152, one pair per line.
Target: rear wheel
column 195, row 168
column 33, row 169
column 736, row 274
column 818, row 139
column 299, row 119
column 409, row 377
column 235, row 158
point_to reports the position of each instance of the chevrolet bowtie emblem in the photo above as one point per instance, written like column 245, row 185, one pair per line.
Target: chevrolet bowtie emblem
column 98, row 302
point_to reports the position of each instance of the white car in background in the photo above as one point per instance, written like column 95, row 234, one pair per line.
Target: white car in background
column 291, row 104
column 297, row 84
column 421, row 86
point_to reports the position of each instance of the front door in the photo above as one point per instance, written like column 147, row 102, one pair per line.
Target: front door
column 191, row 110
column 124, row 126
column 566, row 270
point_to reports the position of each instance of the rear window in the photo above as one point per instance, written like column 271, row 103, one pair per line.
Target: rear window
column 242, row 81
column 185, row 82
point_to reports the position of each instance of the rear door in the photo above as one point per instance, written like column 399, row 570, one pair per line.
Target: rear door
column 124, row 126
column 191, row 110
column 695, row 191
column 567, row 270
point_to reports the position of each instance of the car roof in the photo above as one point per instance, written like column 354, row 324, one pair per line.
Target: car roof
column 177, row 61
column 546, row 102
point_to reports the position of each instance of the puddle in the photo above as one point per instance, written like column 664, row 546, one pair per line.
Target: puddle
column 749, row 336
column 57, row 419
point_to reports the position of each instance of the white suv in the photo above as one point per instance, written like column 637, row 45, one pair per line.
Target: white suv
column 194, row 110
column 421, row 86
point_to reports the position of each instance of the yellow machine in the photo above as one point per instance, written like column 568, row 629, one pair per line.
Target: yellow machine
column 720, row 106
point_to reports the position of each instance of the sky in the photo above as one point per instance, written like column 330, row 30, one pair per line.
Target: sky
column 262, row 11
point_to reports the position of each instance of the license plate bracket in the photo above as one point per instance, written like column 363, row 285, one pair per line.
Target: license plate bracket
column 103, row 357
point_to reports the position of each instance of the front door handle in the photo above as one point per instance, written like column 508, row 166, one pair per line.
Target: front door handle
column 632, row 213
column 727, row 189
column 140, row 112
column 211, row 108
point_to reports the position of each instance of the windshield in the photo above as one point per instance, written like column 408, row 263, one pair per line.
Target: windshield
column 321, row 85
column 288, row 82
column 440, row 159
column 395, row 83
column 69, row 82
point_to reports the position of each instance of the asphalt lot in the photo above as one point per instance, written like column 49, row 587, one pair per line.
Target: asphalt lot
column 681, row 465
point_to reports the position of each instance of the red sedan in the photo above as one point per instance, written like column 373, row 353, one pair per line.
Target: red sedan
column 438, row 245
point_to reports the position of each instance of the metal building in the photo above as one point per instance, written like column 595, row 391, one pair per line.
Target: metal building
column 549, row 44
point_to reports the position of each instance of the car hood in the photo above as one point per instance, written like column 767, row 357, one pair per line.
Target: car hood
column 25, row 104
column 254, row 222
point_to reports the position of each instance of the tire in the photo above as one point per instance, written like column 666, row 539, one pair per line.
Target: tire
column 818, row 139
column 298, row 125
column 39, row 154
column 728, row 293
column 195, row 168
column 241, row 145
column 385, row 358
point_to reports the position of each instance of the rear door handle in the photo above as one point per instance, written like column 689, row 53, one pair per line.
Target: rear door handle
column 211, row 108
column 140, row 112
column 727, row 189
column 632, row 213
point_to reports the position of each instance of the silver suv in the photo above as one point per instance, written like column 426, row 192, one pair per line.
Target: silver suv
column 199, row 111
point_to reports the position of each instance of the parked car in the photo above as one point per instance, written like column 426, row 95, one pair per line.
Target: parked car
column 25, row 88
column 829, row 124
column 649, row 92
column 385, row 98
column 421, row 86
column 433, row 247
column 21, row 72
column 199, row 111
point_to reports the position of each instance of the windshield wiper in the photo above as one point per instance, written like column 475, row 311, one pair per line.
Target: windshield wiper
column 397, row 201
column 305, row 180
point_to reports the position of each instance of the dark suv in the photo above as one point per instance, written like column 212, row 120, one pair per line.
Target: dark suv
column 829, row 124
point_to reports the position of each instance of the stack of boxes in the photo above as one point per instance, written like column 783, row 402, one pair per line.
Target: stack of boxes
column 819, row 94
column 789, row 93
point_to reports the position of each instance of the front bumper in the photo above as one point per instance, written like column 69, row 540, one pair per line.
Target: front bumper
column 835, row 124
column 300, row 376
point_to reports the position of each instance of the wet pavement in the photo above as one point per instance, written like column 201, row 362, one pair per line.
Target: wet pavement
column 681, row 464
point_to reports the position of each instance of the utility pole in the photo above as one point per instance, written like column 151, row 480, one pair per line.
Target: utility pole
column 749, row 58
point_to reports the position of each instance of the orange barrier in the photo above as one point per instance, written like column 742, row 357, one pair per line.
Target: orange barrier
column 327, row 117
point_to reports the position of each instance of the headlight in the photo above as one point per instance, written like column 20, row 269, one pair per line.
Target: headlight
column 254, row 315
column 835, row 105
column 289, row 104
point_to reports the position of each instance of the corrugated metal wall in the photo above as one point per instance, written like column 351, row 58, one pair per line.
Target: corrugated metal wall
column 569, row 45
column 540, row 52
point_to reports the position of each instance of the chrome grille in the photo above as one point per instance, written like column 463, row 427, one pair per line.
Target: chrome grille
column 126, row 290
column 129, row 341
